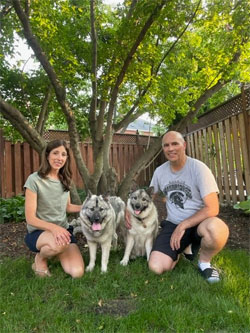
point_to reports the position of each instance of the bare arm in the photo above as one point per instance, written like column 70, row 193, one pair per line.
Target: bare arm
column 210, row 209
column 71, row 208
column 61, row 235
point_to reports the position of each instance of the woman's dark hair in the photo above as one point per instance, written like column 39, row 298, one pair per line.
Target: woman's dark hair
column 65, row 173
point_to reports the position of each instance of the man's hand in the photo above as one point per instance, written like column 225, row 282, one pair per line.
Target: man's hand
column 175, row 241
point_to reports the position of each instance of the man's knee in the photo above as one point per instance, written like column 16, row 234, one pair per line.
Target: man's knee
column 213, row 227
column 214, row 233
column 158, row 264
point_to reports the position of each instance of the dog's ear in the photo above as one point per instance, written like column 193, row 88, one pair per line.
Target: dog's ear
column 150, row 191
column 106, row 196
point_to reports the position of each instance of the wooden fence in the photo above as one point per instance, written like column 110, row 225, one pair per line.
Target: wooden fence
column 224, row 145
column 220, row 138
column 18, row 161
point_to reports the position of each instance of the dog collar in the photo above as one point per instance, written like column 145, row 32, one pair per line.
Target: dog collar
column 141, row 220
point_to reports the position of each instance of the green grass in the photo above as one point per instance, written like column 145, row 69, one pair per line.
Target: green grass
column 126, row 299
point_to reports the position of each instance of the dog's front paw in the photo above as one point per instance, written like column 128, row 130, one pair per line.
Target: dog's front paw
column 124, row 262
column 90, row 268
column 104, row 269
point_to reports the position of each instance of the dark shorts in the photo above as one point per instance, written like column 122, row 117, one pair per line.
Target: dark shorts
column 162, row 242
column 32, row 237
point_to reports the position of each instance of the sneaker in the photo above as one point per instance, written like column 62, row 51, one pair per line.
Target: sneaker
column 210, row 274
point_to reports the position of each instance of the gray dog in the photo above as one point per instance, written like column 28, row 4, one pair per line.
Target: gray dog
column 144, row 225
column 99, row 218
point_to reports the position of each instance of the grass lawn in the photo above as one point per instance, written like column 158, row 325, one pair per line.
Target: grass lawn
column 126, row 299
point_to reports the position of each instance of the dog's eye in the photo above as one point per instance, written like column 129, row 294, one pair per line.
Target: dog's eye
column 92, row 209
column 143, row 199
column 101, row 209
column 135, row 198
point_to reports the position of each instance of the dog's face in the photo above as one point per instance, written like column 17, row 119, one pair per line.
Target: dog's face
column 140, row 200
column 94, row 212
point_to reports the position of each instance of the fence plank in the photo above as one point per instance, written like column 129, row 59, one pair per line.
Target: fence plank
column 121, row 161
column 205, row 153
column 200, row 146
column 115, row 162
column 9, row 170
column 26, row 161
column 211, row 151
column 236, row 146
column 244, row 147
column 18, row 181
column 196, row 146
column 224, row 163
column 230, row 160
column 218, row 162
column 192, row 145
column 35, row 160
column 188, row 148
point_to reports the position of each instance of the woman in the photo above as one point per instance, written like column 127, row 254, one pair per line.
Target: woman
column 47, row 200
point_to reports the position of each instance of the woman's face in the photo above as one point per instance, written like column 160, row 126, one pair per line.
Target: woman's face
column 57, row 158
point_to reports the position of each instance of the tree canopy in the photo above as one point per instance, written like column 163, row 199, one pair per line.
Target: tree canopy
column 100, row 68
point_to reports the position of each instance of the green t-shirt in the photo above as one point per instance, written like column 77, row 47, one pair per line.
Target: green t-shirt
column 51, row 200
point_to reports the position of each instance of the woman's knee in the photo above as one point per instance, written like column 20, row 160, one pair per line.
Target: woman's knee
column 76, row 272
column 52, row 249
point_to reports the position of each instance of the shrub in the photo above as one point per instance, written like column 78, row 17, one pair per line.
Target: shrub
column 12, row 209
column 244, row 205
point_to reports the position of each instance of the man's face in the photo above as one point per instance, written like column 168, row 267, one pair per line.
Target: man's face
column 173, row 147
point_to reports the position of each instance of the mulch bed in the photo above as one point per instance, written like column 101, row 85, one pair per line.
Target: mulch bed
column 12, row 234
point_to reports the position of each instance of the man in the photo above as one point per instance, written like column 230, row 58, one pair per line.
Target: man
column 192, row 206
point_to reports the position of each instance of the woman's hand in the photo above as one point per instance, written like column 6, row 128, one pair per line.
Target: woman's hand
column 61, row 235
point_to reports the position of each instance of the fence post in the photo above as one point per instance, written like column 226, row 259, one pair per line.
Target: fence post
column 1, row 163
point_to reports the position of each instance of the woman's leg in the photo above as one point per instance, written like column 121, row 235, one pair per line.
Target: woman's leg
column 48, row 249
column 72, row 261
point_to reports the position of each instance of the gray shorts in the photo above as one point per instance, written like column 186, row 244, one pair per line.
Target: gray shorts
column 162, row 242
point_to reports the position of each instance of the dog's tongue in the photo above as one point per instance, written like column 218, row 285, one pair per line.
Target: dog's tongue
column 96, row 226
column 137, row 212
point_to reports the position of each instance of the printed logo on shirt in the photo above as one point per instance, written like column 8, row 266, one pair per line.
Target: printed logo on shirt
column 178, row 193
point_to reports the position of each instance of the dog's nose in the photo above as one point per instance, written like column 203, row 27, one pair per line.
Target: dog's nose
column 137, row 206
column 95, row 218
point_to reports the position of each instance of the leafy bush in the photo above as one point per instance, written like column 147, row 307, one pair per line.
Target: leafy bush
column 12, row 209
column 244, row 205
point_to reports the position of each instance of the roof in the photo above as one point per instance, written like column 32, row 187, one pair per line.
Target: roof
column 140, row 125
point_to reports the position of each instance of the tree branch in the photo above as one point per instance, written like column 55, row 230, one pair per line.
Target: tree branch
column 127, row 119
column 43, row 115
column 20, row 123
column 59, row 89
column 93, row 105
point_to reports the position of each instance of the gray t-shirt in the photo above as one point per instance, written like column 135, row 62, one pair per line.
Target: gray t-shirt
column 51, row 200
column 184, row 189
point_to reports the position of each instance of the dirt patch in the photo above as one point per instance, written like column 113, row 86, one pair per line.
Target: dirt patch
column 116, row 307
column 12, row 234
